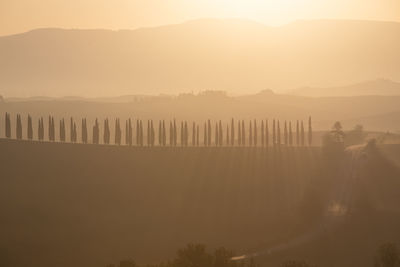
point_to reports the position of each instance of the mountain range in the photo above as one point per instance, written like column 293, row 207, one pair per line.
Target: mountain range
column 237, row 56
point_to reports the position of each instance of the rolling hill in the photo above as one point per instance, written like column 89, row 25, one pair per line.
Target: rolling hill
column 238, row 56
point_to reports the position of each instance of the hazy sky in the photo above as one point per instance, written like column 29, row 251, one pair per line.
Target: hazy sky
column 22, row 15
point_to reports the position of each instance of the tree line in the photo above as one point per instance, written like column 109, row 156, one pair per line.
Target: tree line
column 235, row 133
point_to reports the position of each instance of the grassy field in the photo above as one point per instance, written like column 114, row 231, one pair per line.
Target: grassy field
column 90, row 205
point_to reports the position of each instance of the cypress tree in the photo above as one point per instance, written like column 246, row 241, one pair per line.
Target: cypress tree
column 243, row 134
column 250, row 134
column 141, row 133
column 84, row 132
column 290, row 134
column 53, row 129
column 186, row 134
column 49, row 130
column 232, row 132
column 309, row 132
column 164, row 134
column 19, row 127
column 209, row 133
column 285, row 134
column 8, row 126
column 175, row 134
column 262, row 133
column 205, row 134
column 297, row 133
column 274, row 133
column 107, row 133
column 95, row 133
column 126, row 133
column 130, row 133
column 302, row 133
column 255, row 133
column 198, row 136
column 30, row 128
column 71, row 129
column 42, row 128
column 194, row 134
column 220, row 134
column 74, row 133
column 171, row 134
column 228, row 143
column 153, row 134
column 266, row 134
column 278, row 139
column 216, row 134
column 160, row 138
column 239, row 134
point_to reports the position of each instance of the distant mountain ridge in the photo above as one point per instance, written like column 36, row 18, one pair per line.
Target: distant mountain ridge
column 375, row 87
column 232, row 55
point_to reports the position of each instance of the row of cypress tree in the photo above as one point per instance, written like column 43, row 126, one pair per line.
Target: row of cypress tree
column 255, row 135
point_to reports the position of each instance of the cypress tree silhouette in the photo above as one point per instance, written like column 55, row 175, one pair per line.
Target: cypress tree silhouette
column 118, row 133
column 8, row 125
column 71, row 129
column 220, row 134
column 228, row 143
column 205, row 134
column 148, row 133
column 198, row 136
column 285, row 133
column 250, row 134
column 19, row 127
column 309, row 132
column 209, row 133
column 182, row 134
column 95, row 133
column 302, row 133
column 74, row 133
column 194, row 134
column 84, row 132
column 175, row 134
column 186, row 134
column 49, row 130
column 262, row 133
column 40, row 129
column 232, row 132
column 278, row 133
column 274, row 133
column 290, row 134
column 171, row 134
column 62, row 130
column 126, row 133
column 130, row 132
column 266, row 134
column 137, row 133
column 53, row 130
column 153, row 134
column 164, row 134
column 216, row 134
column 141, row 133
column 239, row 134
column 160, row 138
column 297, row 133
column 107, row 133
column 255, row 133
column 243, row 134
column 30, row 128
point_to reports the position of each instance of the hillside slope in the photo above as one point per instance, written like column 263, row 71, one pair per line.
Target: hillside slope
column 233, row 55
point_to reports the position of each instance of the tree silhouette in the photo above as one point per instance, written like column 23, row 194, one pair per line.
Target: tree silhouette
column 8, row 126
column 41, row 130
column 164, row 134
column 262, row 133
column 74, row 133
column 160, row 134
column 290, row 134
column 96, row 133
column 239, row 134
column 274, row 133
column 216, row 134
column 297, row 133
column 285, row 134
column 182, row 134
column 228, row 143
column 337, row 132
column 278, row 134
column 266, row 134
column 302, row 134
column 221, row 134
column 209, row 133
column 198, row 136
column 62, row 130
column 30, row 128
column 130, row 133
column 250, row 134
column 84, row 132
column 186, row 134
column 71, row 130
column 19, row 127
column 175, row 133
column 309, row 132
column 255, row 133
column 106, row 134
column 232, row 132
column 194, row 134
column 205, row 134
column 243, row 134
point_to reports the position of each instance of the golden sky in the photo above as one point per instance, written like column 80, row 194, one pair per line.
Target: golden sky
column 22, row 15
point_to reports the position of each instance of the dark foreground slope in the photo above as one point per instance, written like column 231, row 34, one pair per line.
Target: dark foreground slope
column 85, row 205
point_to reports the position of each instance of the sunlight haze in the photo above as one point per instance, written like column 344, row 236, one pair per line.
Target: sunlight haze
column 22, row 15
